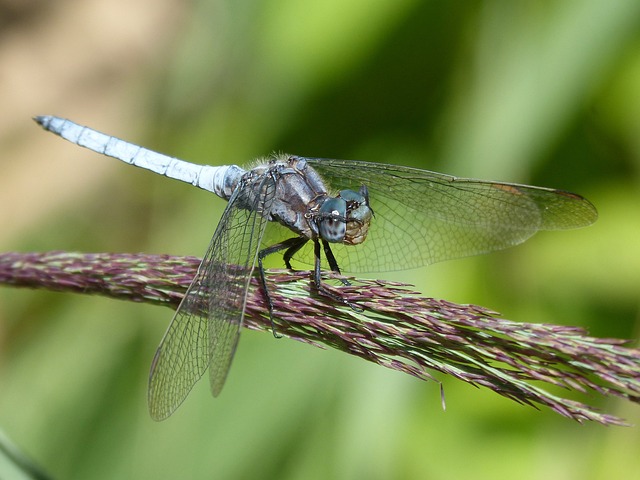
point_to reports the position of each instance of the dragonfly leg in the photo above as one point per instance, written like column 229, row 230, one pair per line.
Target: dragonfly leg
column 332, row 261
column 317, row 277
column 291, row 244
column 296, row 244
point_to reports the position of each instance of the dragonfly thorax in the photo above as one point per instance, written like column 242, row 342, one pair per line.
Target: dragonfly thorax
column 302, row 203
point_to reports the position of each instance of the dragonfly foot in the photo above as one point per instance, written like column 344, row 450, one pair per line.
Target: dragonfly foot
column 338, row 298
column 273, row 326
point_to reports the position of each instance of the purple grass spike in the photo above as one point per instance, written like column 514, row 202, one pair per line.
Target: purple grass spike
column 397, row 328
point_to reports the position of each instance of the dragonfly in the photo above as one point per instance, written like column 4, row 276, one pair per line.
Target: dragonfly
column 361, row 216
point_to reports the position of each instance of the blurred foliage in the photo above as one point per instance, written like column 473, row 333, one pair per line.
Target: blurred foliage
column 546, row 93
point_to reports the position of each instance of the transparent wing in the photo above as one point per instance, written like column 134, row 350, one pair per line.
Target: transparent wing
column 424, row 217
column 205, row 329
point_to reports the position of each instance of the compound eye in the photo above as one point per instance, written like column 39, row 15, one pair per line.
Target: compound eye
column 355, row 197
column 332, row 220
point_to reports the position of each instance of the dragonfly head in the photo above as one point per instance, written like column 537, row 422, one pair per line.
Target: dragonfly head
column 346, row 218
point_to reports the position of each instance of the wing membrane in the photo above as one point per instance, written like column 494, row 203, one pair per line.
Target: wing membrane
column 205, row 329
column 424, row 217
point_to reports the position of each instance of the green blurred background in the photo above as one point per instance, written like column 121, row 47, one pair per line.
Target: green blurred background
column 545, row 93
